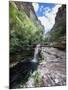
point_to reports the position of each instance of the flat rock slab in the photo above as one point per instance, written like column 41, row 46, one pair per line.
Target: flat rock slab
column 53, row 68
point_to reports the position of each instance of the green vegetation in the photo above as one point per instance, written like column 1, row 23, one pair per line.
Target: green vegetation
column 59, row 33
column 59, row 29
column 24, row 33
column 37, row 79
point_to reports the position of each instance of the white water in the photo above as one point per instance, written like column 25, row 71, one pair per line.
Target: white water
column 30, row 82
column 35, row 59
column 52, row 69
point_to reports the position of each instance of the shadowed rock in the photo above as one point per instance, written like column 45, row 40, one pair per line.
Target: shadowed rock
column 21, row 72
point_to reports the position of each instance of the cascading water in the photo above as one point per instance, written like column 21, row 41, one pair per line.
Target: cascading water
column 35, row 59
column 21, row 71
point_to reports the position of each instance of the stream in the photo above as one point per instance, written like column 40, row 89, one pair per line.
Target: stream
column 51, row 71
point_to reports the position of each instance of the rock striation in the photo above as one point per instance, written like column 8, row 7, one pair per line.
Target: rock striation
column 58, row 32
column 29, row 10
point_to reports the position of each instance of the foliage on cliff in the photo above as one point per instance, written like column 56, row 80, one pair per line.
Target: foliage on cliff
column 23, row 31
column 59, row 29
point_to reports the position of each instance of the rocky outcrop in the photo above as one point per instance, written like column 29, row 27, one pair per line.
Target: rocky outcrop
column 60, row 20
column 53, row 68
column 29, row 10
column 25, row 31
column 58, row 32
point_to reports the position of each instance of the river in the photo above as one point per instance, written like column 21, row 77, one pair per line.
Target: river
column 51, row 71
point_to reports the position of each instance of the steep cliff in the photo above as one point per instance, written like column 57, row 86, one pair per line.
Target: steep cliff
column 58, row 32
column 25, row 30
column 29, row 10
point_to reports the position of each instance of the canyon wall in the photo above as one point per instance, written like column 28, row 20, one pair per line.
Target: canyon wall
column 58, row 32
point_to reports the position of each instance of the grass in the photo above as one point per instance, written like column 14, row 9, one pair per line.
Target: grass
column 37, row 79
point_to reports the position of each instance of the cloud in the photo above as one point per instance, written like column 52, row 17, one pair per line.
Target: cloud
column 41, row 8
column 48, row 18
column 48, row 12
column 36, row 6
column 46, row 23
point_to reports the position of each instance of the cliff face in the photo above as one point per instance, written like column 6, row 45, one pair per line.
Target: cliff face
column 29, row 10
column 58, row 32
column 25, row 30
column 60, row 21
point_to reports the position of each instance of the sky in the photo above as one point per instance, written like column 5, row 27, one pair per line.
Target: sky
column 46, row 13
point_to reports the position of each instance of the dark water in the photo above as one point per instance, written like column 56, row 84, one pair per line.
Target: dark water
column 22, row 71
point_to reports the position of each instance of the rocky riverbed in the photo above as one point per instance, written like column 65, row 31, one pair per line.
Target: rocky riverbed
column 53, row 68
column 51, row 71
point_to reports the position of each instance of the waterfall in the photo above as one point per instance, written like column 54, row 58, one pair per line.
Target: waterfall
column 23, row 69
column 35, row 59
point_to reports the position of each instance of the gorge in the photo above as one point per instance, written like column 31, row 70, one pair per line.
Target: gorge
column 34, row 61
